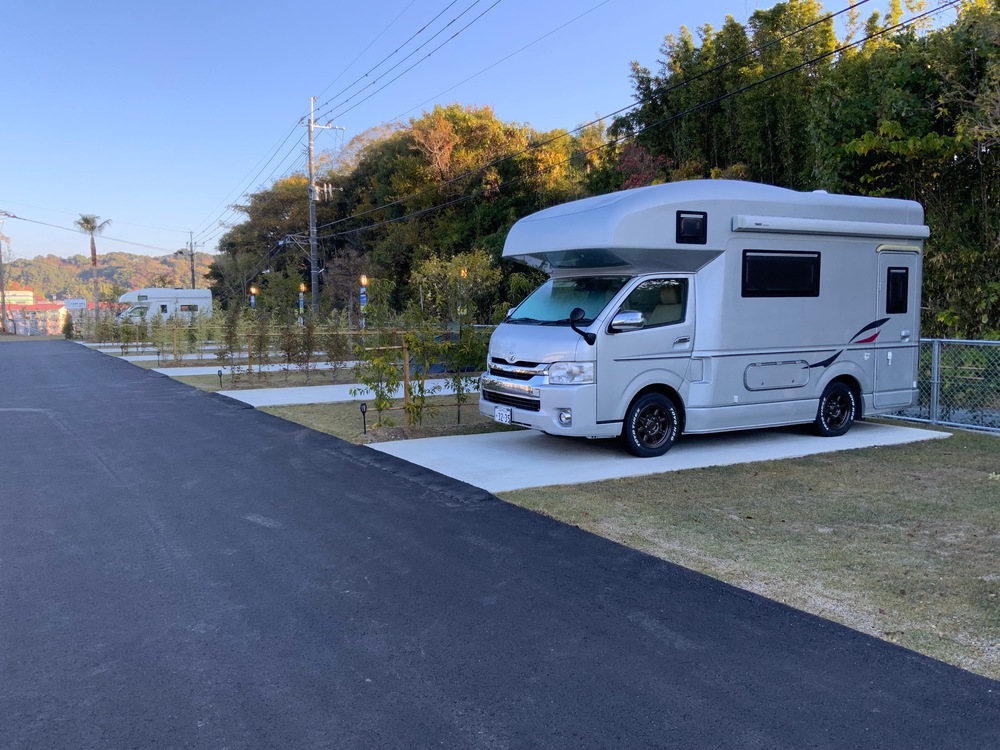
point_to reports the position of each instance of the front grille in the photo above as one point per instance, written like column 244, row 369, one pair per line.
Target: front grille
column 515, row 371
column 518, row 402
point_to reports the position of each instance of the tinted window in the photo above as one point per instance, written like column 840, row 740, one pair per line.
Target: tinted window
column 897, row 290
column 780, row 274
column 692, row 227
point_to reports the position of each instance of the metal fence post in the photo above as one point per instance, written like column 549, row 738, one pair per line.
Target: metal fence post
column 406, row 371
column 935, row 406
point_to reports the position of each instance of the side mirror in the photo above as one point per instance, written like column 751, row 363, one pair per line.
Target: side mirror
column 627, row 320
column 576, row 315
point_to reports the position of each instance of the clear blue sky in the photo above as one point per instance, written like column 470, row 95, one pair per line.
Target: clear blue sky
column 159, row 115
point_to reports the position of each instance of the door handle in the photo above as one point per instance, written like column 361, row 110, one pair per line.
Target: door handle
column 904, row 335
column 682, row 340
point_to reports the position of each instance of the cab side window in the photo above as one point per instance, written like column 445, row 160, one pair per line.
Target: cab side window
column 661, row 301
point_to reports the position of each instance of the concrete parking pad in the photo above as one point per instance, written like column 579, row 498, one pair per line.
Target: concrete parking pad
column 503, row 461
column 318, row 394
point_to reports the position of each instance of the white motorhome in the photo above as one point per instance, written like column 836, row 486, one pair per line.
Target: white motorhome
column 145, row 304
column 707, row 306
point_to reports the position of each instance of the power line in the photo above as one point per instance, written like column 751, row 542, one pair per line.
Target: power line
column 213, row 228
column 370, row 44
column 201, row 235
column 615, row 141
column 391, row 54
column 505, row 59
column 448, row 40
column 77, row 231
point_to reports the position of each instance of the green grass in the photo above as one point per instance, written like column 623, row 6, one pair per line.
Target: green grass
column 12, row 337
column 344, row 420
column 245, row 381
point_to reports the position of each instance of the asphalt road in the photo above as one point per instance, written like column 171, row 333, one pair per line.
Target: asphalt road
column 181, row 571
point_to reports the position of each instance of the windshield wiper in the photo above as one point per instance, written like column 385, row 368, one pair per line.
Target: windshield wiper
column 525, row 320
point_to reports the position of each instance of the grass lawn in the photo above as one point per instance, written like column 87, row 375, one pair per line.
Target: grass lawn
column 900, row 542
column 344, row 420
column 13, row 337
column 289, row 379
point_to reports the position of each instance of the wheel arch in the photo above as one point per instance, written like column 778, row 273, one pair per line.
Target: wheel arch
column 667, row 391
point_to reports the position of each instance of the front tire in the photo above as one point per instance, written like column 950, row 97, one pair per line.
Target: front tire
column 651, row 426
column 837, row 410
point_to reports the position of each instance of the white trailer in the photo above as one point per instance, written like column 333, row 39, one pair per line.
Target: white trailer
column 145, row 304
column 706, row 306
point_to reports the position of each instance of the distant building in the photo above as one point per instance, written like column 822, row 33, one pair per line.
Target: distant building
column 20, row 297
column 45, row 318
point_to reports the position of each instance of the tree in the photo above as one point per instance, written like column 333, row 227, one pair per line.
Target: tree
column 91, row 224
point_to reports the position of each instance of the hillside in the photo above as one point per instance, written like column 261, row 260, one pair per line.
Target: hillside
column 58, row 278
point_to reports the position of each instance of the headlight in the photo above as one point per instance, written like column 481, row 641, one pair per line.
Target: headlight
column 566, row 373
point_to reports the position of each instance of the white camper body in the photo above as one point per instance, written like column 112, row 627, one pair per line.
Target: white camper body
column 706, row 306
column 145, row 304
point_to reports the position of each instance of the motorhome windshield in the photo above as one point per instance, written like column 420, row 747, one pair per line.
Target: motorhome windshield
column 554, row 300
column 133, row 312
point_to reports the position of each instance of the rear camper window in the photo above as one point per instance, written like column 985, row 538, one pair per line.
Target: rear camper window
column 189, row 308
column 897, row 290
column 772, row 273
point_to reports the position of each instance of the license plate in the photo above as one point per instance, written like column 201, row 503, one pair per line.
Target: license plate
column 501, row 414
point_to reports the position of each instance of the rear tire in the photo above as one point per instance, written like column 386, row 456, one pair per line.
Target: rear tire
column 837, row 410
column 651, row 426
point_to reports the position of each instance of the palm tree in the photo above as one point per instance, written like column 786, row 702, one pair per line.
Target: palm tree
column 92, row 224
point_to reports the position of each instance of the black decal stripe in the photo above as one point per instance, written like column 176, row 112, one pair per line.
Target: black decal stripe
column 868, row 327
column 827, row 362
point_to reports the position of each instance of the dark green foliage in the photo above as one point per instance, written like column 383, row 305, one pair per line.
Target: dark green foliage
column 911, row 114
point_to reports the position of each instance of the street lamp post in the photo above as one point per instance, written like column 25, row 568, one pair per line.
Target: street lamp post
column 302, row 301
column 461, row 296
column 253, row 297
column 363, row 299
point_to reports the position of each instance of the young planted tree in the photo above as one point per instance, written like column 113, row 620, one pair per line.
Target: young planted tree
column 231, row 341
column 378, row 351
column 336, row 342
column 289, row 345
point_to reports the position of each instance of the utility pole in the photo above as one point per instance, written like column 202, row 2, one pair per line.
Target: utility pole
column 313, row 251
column 190, row 253
column 3, row 283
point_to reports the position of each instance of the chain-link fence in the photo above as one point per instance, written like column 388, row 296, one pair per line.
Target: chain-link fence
column 959, row 384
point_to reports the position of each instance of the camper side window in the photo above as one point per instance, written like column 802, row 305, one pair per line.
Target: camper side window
column 189, row 308
column 661, row 301
column 773, row 273
column 896, row 290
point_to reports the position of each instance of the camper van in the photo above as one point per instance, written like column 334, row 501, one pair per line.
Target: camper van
column 145, row 304
column 707, row 306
